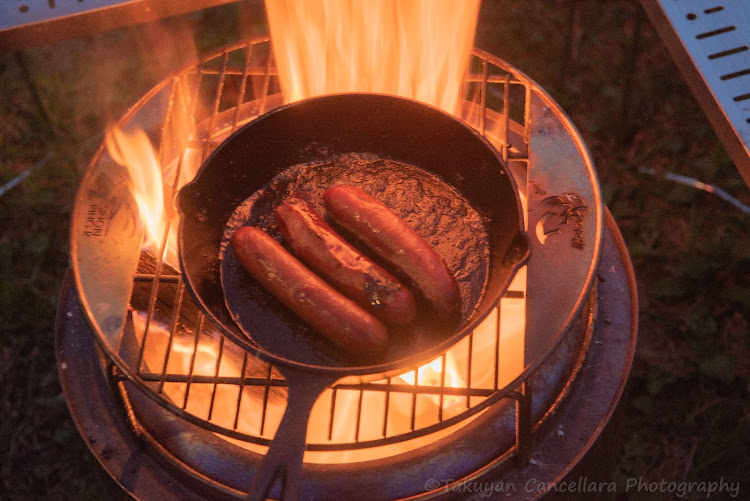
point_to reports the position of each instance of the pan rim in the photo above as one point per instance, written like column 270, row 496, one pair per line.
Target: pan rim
column 246, row 342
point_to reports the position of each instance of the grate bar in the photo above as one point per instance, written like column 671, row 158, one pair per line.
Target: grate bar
column 413, row 420
column 260, row 382
column 266, row 392
column 172, row 330
column 496, row 376
column 387, row 408
column 243, row 85
column 217, row 99
column 493, row 79
column 441, row 403
column 191, row 375
column 215, row 378
column 358, row 422
column 469, row 354
column 153, row 297
column 241, row 384
column 266, row 83
column 249, row 71
column 483, row 99
column 506, row 117
column 332, row 412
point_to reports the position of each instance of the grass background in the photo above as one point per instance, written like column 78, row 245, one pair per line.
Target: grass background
column 685, row 415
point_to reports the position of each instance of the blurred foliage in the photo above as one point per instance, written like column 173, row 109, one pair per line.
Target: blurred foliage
column 685, row 415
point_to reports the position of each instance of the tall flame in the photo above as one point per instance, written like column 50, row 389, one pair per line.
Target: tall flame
column 417, row 48
column 152, row 181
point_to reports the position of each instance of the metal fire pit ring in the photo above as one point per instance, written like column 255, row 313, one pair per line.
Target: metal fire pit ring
column 98, row 208
column 538, row 122
column 152, row 466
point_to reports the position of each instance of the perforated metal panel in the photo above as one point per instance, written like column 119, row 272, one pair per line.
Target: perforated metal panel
column 709, row 41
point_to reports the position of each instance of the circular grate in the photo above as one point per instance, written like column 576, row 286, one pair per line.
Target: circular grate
column 156, row 337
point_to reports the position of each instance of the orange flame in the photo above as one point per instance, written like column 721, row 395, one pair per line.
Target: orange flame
column 418, row 48
column 133, row 150
column 153, row 182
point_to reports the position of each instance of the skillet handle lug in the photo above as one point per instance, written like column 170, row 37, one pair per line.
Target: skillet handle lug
column 187, row 197
column 519, row 251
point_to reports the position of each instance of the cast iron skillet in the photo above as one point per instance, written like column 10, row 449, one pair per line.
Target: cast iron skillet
column 315, row 130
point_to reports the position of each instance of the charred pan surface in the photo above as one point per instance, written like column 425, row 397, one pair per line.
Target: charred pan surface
column 435, row 210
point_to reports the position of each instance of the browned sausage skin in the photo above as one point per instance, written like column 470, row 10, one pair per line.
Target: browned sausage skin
column 395, row 241
column 343, row 266
column 320, row 305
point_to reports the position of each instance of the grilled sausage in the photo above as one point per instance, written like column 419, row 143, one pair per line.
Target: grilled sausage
column 343, row 266
column 394, row 240
column 320, row 305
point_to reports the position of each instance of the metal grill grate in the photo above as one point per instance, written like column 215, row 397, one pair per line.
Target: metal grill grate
column 166, row 310
column 184, row 363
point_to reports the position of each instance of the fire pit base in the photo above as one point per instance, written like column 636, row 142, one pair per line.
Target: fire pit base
column 146, row 470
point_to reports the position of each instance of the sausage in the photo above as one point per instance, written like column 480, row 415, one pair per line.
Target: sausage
column 395, row 241
column 343, row 266
column 339, row 319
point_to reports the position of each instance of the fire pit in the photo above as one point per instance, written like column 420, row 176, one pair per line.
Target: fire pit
column 171, row 407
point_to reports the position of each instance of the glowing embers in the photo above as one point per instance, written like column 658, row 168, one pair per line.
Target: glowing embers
column 187, row 361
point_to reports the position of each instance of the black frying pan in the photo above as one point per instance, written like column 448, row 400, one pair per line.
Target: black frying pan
column 315, row 131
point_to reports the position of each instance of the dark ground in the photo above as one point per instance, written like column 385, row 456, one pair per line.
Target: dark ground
column 685, row 415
